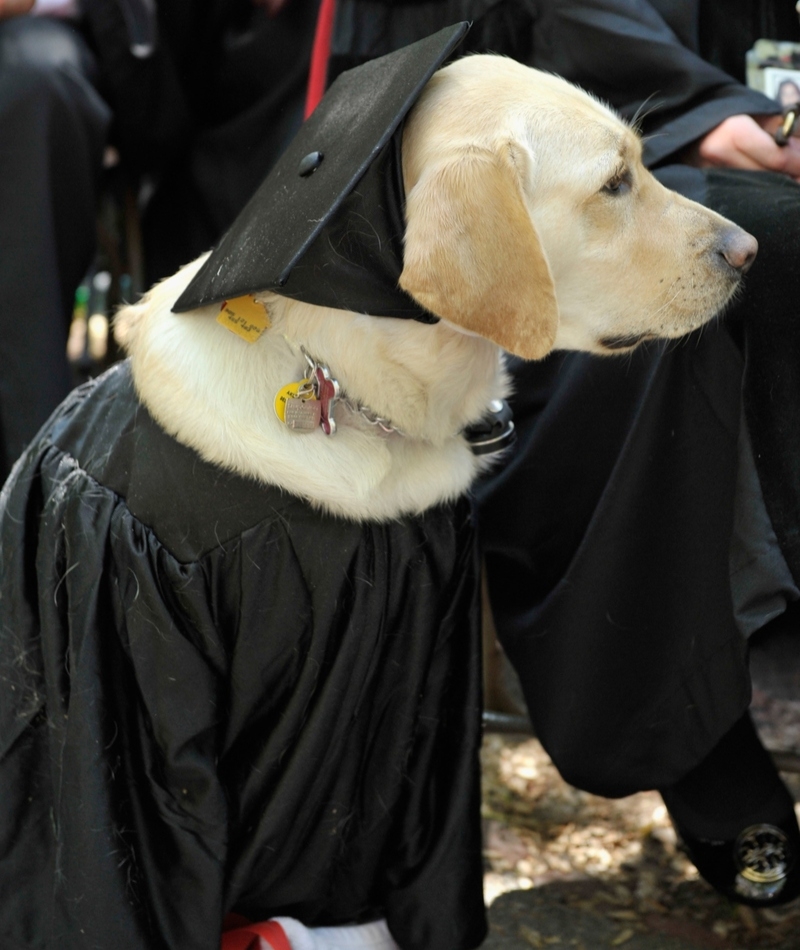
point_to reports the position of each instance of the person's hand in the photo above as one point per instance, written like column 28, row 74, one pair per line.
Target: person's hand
column 743, row 141
column 9, row 8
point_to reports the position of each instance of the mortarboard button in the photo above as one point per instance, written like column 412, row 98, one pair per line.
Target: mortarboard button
column 310, row 164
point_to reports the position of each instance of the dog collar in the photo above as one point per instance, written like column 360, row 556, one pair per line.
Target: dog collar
column 495, row 432
column 307, row 404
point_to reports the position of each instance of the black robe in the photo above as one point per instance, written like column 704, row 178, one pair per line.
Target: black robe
column 662, row 62
column 607, row 536
column 216, row 698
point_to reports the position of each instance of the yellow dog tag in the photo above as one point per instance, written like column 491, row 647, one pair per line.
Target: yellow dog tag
column 245, row 317
column 299, row 390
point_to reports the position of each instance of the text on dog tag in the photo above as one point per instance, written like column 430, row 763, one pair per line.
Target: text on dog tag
column 303, row 414
column 298, row 390
column 245, row 317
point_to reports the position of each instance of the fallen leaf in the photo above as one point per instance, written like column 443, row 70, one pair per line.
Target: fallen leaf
column 623, row 937
column 533, row 937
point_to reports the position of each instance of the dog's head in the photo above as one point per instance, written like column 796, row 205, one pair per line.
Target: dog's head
column 530, row 224
column 532, row 221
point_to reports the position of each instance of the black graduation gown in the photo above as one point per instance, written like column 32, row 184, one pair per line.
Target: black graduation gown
column 216, row 698
column 650, row 61
column 607, row 537
column 662, row 62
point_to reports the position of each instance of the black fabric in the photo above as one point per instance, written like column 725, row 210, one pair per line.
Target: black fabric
column 726, row 33
column 610, row 580
column 151, row 116
column 206, row 114
column 645, row 59
column 607, row 535
column 648, row 60
column 53, row 126
column 303, row 234
column 218, row 699
column 364, row 29
column 606, row 540
column 244, row 74
column 736, row 785
column 769, row 206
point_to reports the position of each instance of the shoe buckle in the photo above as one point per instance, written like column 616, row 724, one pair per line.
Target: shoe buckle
column 764, row 858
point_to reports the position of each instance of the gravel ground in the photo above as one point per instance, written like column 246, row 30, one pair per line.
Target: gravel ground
column 568, row 869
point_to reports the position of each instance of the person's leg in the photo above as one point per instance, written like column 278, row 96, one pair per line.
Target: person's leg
column 733, row 812
column 606, row 543
column 769, row 207
column 737, row 822
column 52, row 134
column 609, row 558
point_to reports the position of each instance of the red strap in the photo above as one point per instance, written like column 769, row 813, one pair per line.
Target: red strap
column 253, row 937
column 320, row 54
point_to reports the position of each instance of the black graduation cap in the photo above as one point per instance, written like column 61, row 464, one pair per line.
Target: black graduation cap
column 326, row 226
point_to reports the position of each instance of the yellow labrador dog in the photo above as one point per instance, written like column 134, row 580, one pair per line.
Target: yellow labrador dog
column 239, row 648
column 531, row 225
column 532, row 221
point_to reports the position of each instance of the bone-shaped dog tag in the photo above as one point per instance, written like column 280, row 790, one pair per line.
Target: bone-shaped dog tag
column 303, row 414
column 326, row 390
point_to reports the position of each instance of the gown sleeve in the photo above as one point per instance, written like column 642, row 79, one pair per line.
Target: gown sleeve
column 643, row 58
column 639, row 57
column 112, row 814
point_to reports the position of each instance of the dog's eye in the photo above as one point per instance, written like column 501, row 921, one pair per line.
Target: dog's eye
column 619, row 184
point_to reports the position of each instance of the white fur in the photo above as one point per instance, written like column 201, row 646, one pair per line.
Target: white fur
column 214, row 392
column 513, row 238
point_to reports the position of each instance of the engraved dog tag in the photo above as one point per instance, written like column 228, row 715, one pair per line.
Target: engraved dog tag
column 303, row 414
column 301, row 389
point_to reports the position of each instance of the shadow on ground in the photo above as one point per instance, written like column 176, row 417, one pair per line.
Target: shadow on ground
column 569, row 915
column 566, row 869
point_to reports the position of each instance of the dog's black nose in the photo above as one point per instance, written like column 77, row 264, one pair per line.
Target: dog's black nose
column 738, row 248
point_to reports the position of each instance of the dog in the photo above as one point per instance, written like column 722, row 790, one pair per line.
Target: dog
column 241, row 658
column 532, row 225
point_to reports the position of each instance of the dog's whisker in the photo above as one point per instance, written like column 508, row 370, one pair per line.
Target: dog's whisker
column 646, row 107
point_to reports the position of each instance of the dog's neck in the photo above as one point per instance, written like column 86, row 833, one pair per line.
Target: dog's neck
column 215, row 392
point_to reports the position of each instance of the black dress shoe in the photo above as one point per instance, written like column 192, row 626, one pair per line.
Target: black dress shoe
column 760, row 867
column 736, row 820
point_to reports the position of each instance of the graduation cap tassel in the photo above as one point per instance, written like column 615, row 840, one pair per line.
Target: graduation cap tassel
column 320, row 56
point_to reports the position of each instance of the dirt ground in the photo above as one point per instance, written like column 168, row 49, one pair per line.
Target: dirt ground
column 569, row 869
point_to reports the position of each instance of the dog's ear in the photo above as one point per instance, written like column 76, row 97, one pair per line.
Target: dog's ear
column 472, row 254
